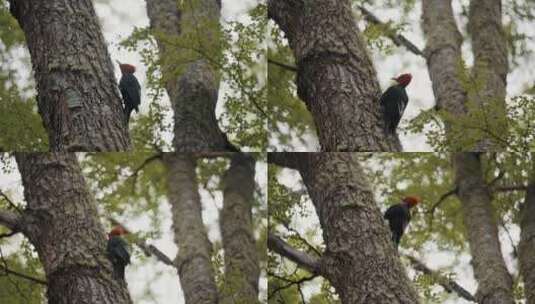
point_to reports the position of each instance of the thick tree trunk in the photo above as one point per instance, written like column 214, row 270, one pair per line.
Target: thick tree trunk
column 61, row 222
column 195, row 250
column 494, row 281
column 77, row 97
column 242, row 267
column 490, row 62
column 526, row 247
column 360, row 260
column 336, row 78
column 194, row 93
column 443, row 55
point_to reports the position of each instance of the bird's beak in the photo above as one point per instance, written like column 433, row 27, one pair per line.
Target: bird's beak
column 395, row 79
column 118, row 62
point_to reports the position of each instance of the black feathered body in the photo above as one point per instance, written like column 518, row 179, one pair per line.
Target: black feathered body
column 118, row 254
column 131, row 91
column 393, row 103
column 398, row 217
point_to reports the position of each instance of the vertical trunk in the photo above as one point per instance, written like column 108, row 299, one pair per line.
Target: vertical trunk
column 194, row 93
column 77, row 97
column 490, row 62
column 443, row 55
column 495, row 283
column 526, row 247
column 336, row 78
column 359, row 260
column 61, row 221
column 241, row 259
column 195, row 250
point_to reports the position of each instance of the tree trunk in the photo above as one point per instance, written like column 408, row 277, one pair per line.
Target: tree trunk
column 194, row 92
column 335, row 78
column 61, row 222
column 490, row 63
column 443, row 55
column 526, row 247
column 494, row 281
column 360, row 260
column 242, row 267
column 77, row 97
column 195, row 250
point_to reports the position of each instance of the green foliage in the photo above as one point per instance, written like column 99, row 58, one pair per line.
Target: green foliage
column 509, row 127
column 17, row 290
column 285, row 206
column 289, row 118
column 22, row 129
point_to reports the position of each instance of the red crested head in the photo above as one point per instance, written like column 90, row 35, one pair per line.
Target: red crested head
column 127, row 68
column 403, row 79
column 412, row 200
column 117, row 231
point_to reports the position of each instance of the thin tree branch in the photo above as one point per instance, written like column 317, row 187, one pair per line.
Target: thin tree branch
column 510, row 188
column 303, row 260
column 148, row 250
column 398, row 39
column 448, row 284
column 8, row 271
column 290, row 283
column 285, row 66
column 10, row 202
column 147, row 161
column 442, row 198
column 4, row 267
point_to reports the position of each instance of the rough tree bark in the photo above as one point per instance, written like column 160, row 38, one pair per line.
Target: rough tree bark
column 77, row 97
column 193, row 260
column 490, row 61
column 335, row 78
column 242, row 268
column 359, row 260
column 443, row 55
column 194, row 93
column 494, row 281
column 526, row 247
column 61, row 222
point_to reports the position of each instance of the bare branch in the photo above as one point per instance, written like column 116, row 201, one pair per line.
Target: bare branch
column 145, row 163
column 302, row 259
column 149, row 250
column 398, row 39
column 10, row 202
column 447, row 284
column 510, row 188
column 285, row 66
column 6, row 270
column 290, row 283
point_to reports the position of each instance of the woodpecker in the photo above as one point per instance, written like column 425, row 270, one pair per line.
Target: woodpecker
column 394, row 101
column 130, row 89
column 399, row 216
column 118, row 251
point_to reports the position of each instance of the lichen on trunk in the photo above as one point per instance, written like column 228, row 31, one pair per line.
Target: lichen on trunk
column 78, row 98
column 242, row 268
